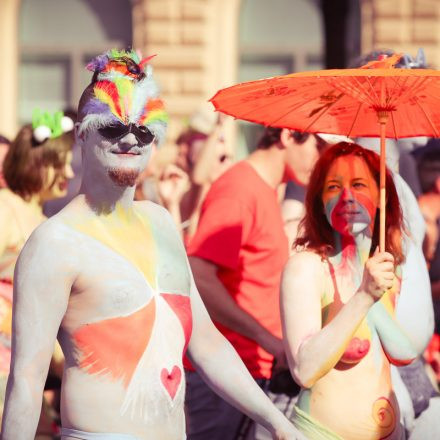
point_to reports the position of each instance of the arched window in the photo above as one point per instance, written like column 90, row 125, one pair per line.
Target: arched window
column 57, row 38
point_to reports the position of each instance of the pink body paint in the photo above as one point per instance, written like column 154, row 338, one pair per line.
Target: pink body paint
column 356, row 350
column 181, row 306
column 171, row 380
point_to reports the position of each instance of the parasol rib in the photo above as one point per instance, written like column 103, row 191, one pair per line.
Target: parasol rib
column 355, row 119
column 274, row 121
column 344, row 86
column 394, row 125
column 326, row 109
column 244, row 115
column 376, row 98
column 427, row 117
column 399, row 86
column 369, row 100
column 296, row 107
column 416, row 85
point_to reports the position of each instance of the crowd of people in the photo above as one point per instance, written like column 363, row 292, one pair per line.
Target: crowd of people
column 205, row 299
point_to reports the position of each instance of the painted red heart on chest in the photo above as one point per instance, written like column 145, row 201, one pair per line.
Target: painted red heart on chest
column 171, row 380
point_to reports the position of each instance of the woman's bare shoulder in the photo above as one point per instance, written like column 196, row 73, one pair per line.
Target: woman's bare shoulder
column 305, row 259
column 305, row 269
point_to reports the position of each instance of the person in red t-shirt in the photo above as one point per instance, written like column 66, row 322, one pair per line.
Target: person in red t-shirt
column 237, row 255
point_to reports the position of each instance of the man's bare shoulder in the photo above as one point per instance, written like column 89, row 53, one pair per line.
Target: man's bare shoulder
column 49, row 251
column 155, row 213
column 53, row 236
column 149, row 207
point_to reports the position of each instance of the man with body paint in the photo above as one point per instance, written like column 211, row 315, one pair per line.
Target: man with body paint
column 338, row 302
column 110, row 278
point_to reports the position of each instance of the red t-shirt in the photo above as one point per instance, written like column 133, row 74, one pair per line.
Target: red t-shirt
column 241, row 231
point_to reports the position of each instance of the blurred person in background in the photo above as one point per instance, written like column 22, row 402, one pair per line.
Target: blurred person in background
column 36, row 169
column 428, row 160
column 237, row 255
column 429, row 202
column 292, row 207
column 51, row 207
column 4, row 147
column 202, row 156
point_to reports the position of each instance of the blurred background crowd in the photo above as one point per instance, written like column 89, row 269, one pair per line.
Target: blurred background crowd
column 201, row 46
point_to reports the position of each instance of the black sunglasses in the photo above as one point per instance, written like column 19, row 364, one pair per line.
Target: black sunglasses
column 117, row 131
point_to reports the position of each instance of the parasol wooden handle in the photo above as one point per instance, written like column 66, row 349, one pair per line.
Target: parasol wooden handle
column 382, row 190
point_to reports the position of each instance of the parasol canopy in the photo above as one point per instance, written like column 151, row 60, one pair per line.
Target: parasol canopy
column 376, row 100
column 341, row 101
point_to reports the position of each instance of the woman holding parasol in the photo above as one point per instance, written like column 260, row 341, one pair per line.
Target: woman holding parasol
column 338, row 299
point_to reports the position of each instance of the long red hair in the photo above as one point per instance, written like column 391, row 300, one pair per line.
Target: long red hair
column 316, row 233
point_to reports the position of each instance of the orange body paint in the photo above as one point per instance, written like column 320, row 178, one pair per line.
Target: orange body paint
column 115, row 346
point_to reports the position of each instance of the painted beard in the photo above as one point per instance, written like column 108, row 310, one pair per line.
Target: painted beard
column 123, row 176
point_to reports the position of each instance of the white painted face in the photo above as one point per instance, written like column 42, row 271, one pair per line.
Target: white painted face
column 122, row 159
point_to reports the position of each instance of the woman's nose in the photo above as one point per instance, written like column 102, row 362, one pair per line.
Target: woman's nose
column 347, row 195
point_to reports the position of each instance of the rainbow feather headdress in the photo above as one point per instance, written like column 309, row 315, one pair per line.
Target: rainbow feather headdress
column 124, row 91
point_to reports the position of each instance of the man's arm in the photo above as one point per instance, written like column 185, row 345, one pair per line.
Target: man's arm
column 222, row 369
column 223, row 309
column 41, row 291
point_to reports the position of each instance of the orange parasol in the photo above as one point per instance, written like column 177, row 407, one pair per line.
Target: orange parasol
column 374, row 100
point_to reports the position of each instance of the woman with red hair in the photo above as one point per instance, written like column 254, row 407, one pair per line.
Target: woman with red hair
column 338, row 299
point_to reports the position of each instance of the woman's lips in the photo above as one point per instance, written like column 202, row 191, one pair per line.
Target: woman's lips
column 348, row 213
column 62, row 185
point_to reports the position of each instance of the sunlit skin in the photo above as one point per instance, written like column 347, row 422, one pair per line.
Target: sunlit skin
column 349, row 391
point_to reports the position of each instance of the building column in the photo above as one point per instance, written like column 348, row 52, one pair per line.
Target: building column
column 9, row 13
column 403, row 26
column 196, row 42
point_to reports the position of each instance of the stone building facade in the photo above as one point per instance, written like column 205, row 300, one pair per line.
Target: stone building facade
column 198, row 45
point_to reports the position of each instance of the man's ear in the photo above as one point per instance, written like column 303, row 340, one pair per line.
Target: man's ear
column 79, row 137
column 286, row 138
